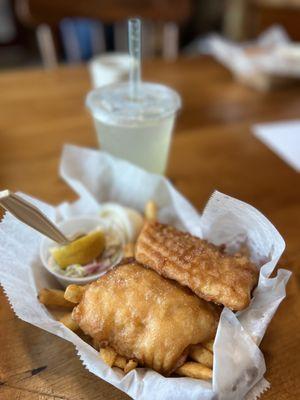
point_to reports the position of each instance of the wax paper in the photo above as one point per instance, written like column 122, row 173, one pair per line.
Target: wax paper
column 97, row 177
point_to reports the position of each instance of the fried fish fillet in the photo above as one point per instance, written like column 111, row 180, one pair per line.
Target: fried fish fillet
column 195, row 263
column 145, row 317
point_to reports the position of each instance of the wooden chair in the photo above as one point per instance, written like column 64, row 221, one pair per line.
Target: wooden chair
column 265, row 13
column 165, row 17
column 245, row 19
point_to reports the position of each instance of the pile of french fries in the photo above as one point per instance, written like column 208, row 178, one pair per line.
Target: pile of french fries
column 200, row 356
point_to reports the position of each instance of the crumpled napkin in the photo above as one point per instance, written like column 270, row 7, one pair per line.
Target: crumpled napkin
column 261, row 64
column 97, row 177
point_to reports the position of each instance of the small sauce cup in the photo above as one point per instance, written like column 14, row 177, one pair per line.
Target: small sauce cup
column 72, row 228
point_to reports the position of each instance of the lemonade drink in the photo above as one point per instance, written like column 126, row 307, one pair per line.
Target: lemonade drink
column 136, row 129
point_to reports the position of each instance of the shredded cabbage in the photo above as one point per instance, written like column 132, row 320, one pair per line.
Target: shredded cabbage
column 111, row 254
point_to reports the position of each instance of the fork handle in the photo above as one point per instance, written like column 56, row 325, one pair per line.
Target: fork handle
column 31, row 216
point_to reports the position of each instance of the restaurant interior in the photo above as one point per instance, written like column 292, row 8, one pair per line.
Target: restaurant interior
column 188, row 110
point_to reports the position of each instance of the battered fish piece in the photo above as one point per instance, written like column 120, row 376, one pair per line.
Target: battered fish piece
column 145, row 317
column 195, row 263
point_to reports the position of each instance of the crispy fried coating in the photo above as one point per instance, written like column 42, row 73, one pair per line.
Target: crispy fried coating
column 145, row 317
column 195, row 263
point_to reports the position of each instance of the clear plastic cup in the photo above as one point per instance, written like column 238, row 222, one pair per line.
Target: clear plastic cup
column 138, row 130
column 109, row 68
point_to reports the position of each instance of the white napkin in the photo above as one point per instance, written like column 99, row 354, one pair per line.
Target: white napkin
column 261, row 63
column 283, row 138
column 239, row 365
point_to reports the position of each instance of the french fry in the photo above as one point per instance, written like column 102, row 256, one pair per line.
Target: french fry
column 54, row 298
column 201, row 355
column 120, row 362
column 69, row 322
column 151, row 211
column 74, row 293
column 108, row 355
column 112, row 359
column 209, row 345
column 130, row 366
column 194, row 370
column 95, row 344
column 128, row 250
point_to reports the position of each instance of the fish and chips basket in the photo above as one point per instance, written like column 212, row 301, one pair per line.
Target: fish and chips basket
column 238, row 363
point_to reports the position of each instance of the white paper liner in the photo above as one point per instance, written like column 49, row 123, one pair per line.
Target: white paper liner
column 239, row 365
column 262, row 386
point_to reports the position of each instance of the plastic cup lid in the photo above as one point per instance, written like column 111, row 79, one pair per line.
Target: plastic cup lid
column 113, row 104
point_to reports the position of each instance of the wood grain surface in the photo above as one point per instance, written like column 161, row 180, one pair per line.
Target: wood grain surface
column 213, row 149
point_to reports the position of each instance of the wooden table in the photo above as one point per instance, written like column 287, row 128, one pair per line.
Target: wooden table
column 213, row 149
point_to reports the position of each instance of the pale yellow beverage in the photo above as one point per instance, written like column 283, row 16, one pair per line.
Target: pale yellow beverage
column 138, row 130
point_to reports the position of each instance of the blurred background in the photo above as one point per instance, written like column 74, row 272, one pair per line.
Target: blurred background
column 48, row 32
